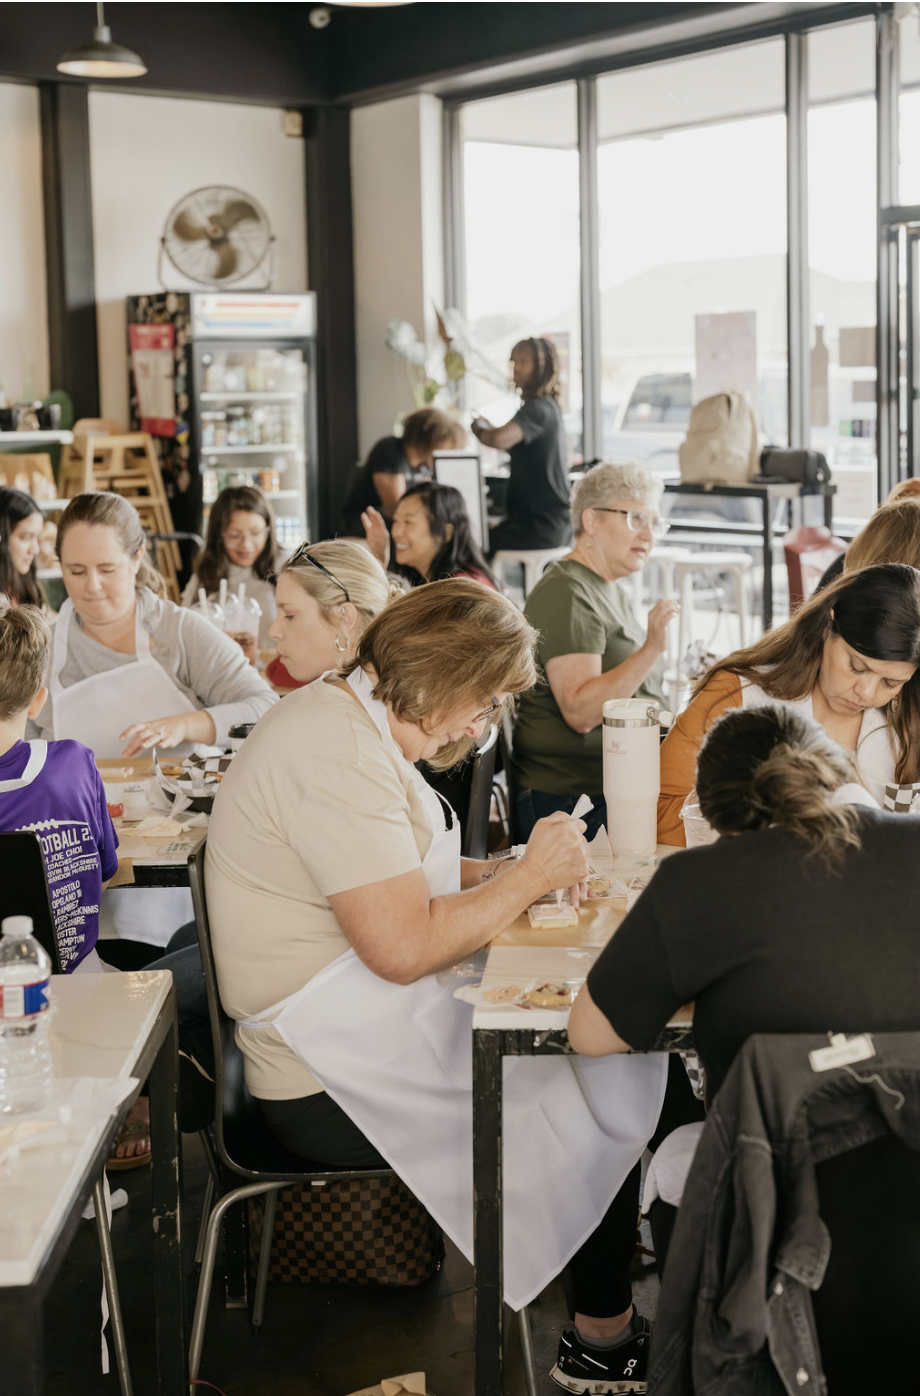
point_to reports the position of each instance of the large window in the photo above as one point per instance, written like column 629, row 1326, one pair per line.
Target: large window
column 522, row 269
column 842, row 243
column 686, row 245
column 691, row 176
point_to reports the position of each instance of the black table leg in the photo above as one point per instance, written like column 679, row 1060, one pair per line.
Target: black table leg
column 22, row 1363
column 169, row 1280
column 767, row 563
column 487, row 1211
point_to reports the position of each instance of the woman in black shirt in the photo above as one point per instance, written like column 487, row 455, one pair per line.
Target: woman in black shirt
column 538, row 490
column 397, row 462
column 804, row 920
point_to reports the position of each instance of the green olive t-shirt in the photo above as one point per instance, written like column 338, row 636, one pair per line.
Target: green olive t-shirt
column 576, row 612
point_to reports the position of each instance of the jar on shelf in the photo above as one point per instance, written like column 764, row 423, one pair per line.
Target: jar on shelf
column 257, row 425
column 207, row 430
column 220, row 428
column 237, row 427
column 209, row 489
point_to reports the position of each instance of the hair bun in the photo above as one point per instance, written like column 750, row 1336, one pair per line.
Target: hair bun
column 5, row 603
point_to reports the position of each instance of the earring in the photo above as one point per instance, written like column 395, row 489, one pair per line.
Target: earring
column 589, row 541
column 341, row 644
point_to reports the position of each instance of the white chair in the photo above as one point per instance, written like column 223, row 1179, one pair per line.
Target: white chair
column 664, row 558
column 736, row 564
column 534, row 561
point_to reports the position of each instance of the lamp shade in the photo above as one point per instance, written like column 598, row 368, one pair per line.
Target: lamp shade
column 100, row 58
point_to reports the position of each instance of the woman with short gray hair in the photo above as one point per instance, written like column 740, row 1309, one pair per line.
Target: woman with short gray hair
column 592, row 645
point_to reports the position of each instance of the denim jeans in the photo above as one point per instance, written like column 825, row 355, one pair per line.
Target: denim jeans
column 531, row 805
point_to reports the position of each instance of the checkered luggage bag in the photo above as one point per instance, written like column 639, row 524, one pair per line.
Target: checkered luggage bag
column 360, row 1231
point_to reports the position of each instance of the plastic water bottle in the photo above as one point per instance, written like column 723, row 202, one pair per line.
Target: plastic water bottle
column 25, row 1055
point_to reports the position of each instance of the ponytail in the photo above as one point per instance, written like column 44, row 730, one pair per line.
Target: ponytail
column 770, row 766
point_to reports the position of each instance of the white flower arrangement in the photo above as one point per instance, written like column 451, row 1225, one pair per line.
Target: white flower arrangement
column 460, row 356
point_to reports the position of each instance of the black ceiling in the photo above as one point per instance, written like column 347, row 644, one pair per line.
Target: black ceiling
column 271, row 52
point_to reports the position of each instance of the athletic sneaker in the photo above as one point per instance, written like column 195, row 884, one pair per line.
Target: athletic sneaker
column 594, row 1373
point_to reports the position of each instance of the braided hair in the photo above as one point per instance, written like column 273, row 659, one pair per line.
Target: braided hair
column 544, row 381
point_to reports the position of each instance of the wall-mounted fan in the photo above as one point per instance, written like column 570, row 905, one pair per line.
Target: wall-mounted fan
column 216, row 236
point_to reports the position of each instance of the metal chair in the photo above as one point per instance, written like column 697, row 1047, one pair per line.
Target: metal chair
column 248, row 1160
column 476, row 834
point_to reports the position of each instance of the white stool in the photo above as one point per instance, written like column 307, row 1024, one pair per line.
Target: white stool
column 664, row 558
column 737, row 565
column 533, row 560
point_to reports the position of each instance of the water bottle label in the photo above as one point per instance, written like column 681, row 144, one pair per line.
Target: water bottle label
column 23, row 1000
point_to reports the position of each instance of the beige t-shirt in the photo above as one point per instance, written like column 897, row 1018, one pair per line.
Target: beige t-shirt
column 315, row 802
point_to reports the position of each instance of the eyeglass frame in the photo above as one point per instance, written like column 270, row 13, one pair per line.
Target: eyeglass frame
column 489, row 713
column 658, row 529
column 303, row 554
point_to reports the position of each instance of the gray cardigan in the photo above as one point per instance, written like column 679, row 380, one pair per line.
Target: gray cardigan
column 204, row 664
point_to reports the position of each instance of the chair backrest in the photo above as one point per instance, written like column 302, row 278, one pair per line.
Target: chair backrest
column 475, row 842
column 808, row 552
column 241, row 1134
column 24, row 889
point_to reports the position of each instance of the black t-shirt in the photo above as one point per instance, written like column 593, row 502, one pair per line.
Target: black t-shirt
column 765, row 939
column 538, row 490
column 386, row 457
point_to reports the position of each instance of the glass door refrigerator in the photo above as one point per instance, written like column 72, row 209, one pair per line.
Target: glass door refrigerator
column 226, row 383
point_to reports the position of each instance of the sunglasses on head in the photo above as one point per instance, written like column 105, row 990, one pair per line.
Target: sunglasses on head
column 303, row 555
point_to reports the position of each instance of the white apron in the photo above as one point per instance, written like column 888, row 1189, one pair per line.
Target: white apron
column 398, row 1060
column 875, row 754
column 94, row 712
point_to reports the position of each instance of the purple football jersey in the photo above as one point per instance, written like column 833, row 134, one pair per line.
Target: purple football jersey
column 54, row 790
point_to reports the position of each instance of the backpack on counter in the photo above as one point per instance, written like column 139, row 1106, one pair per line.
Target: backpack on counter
column 721, row 444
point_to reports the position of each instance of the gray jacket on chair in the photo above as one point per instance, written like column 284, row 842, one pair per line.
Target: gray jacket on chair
column 735, row 1316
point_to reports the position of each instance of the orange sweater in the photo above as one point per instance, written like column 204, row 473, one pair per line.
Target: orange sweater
column 680, row 747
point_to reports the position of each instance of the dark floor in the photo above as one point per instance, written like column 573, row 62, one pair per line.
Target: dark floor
column 317, row 1340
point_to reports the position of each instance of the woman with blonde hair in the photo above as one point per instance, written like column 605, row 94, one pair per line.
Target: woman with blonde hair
column 131, row 670
column 848, row 659
column 326, row 595
column 337, row 894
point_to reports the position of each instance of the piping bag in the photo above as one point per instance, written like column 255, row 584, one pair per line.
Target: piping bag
column 583, row 805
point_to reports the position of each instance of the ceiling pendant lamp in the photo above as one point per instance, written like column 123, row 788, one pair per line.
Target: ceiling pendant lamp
column 100, row 58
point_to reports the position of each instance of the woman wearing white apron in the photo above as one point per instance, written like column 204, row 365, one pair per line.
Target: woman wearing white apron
column 848, row 659
column 337, row 892
column 130, row 670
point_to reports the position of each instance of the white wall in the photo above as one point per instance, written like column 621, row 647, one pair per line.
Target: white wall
column 396, row 194
column 23, row 300
column 146, row 153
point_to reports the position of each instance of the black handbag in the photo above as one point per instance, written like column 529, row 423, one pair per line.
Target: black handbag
column 794, row 465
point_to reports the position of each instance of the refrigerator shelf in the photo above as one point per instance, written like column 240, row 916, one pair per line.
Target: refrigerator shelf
column 267, row 396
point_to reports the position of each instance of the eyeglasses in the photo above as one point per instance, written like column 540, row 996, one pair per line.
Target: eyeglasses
column 255, row 535
column 489, row 712
column 638, row 523
column 303, row 555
